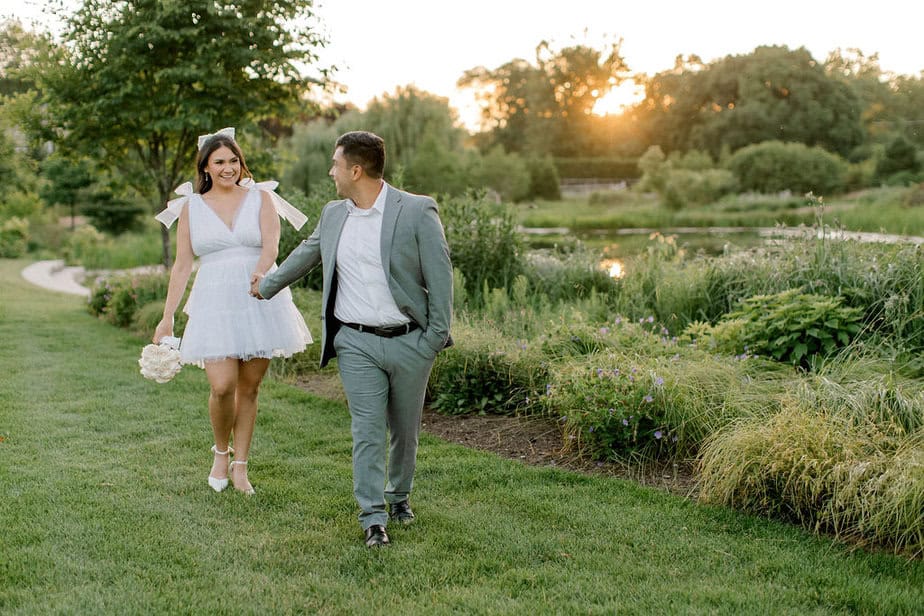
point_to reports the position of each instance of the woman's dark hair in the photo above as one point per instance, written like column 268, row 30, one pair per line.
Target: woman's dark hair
column 203, row 181
column 364, row 149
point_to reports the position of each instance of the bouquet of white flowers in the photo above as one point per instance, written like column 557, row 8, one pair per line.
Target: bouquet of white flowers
column 161, row 362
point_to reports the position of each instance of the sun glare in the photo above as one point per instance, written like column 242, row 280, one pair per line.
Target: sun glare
column 619, row 98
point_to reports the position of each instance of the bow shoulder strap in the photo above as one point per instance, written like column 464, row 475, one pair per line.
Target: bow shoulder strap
column 169, row 215
column 286, row 210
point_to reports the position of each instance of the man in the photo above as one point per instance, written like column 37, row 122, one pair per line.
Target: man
column 387, row 302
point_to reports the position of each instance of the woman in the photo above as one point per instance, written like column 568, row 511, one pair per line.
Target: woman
column 232, row 225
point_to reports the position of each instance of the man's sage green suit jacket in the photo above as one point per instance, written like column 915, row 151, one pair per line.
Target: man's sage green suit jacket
column 416, row 260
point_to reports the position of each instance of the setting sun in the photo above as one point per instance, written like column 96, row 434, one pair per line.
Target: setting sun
column 619, row 98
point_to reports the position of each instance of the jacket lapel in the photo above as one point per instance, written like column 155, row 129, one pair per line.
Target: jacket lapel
column 389, row 220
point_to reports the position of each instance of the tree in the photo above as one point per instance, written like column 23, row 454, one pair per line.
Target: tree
column 409, row 117
column 18, row 50
column 138, row 80
column 67, row 180
column 772, row 93
column 545, row 108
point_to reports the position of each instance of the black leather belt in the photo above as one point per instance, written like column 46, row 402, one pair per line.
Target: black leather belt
column 384, row 332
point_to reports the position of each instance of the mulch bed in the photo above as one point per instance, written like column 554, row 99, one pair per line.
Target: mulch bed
column 531, row 440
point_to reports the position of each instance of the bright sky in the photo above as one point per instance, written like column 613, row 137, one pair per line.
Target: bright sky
column 379, row 45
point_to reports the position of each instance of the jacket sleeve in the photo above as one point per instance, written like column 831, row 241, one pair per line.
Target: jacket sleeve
column 300, row 261
column 437, row 273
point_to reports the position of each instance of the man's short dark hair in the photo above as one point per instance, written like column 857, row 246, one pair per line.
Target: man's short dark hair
column 365, row 149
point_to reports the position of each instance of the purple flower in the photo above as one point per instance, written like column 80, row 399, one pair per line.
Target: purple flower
column 659, row 381
column 604, row 330
column 648, row 398
column 650, row 319
column 599, row 371
column 625, row 422
column 617, row 320
column 658, row 434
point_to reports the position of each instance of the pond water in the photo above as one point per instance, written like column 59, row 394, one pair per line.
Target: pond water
column 616, row 245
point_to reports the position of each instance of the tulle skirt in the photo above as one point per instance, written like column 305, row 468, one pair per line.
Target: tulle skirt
column 225, row 321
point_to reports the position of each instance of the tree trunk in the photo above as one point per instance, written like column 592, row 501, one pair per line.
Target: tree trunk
column 164, row 231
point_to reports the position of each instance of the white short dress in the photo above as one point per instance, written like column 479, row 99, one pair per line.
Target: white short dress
column 225, row 321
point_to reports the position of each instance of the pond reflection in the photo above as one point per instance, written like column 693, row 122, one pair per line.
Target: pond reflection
column 615, row 267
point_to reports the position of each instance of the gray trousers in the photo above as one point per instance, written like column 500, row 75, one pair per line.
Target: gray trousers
column 385, row 381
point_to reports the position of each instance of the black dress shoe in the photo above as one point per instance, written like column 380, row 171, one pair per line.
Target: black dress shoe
column 376, row 536
column 401, row 513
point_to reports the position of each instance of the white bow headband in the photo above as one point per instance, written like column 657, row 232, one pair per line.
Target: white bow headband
column 225, row 132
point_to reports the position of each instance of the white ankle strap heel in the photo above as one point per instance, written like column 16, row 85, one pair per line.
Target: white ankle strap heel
column 215, row 483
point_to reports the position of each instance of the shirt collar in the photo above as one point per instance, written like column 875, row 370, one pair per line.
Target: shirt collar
column 378, row 205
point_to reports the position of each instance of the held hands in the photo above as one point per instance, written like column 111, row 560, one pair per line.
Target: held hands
column 255, row 285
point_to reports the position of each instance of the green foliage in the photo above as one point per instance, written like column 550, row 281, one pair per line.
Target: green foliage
column 119, row 298
column 544, row 182
column 409, row 118
column 613, row 167
column 654, row 169
column 96, row 251
column 565, row 275
column 66, row 181
column 14, row 237
column 814, row 468
column 18, row 204
column 545, row 107
column 774, row 166
column 610, row 408
column 310, row 205
column 790, row 326
column 306, row 157
column 507, row 174
column 684, row 187
column 163, row 78
column 485, row 374
column 772, row 93
column 112, row 213
column 483, row 240
column 899, row 156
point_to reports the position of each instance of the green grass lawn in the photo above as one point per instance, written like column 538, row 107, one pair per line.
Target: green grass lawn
column 105, row 509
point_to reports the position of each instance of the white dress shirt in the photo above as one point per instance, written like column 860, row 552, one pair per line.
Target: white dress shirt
column 363, row 295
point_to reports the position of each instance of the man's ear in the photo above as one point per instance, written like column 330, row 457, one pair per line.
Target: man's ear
column 356, row 172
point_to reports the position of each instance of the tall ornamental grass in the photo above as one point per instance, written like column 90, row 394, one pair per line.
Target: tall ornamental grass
column 844, row 454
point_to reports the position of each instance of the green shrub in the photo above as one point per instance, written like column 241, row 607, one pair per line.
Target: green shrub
column 598, row 167
column 790, row 326
column 149, row 315
column 20, row 204
column 544, row 182
column 310, row 205
column 684, row 187
column 773, row 166
column 14, row 237
column 484, row 373
column 900, row 157
column 118, row 298
column 484, row 243
column 611, row 408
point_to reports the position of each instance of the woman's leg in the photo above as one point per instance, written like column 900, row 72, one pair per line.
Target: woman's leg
column 223, row 378
column 250, row 375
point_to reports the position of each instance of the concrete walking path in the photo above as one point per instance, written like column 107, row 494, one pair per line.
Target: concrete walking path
column 55, row 276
